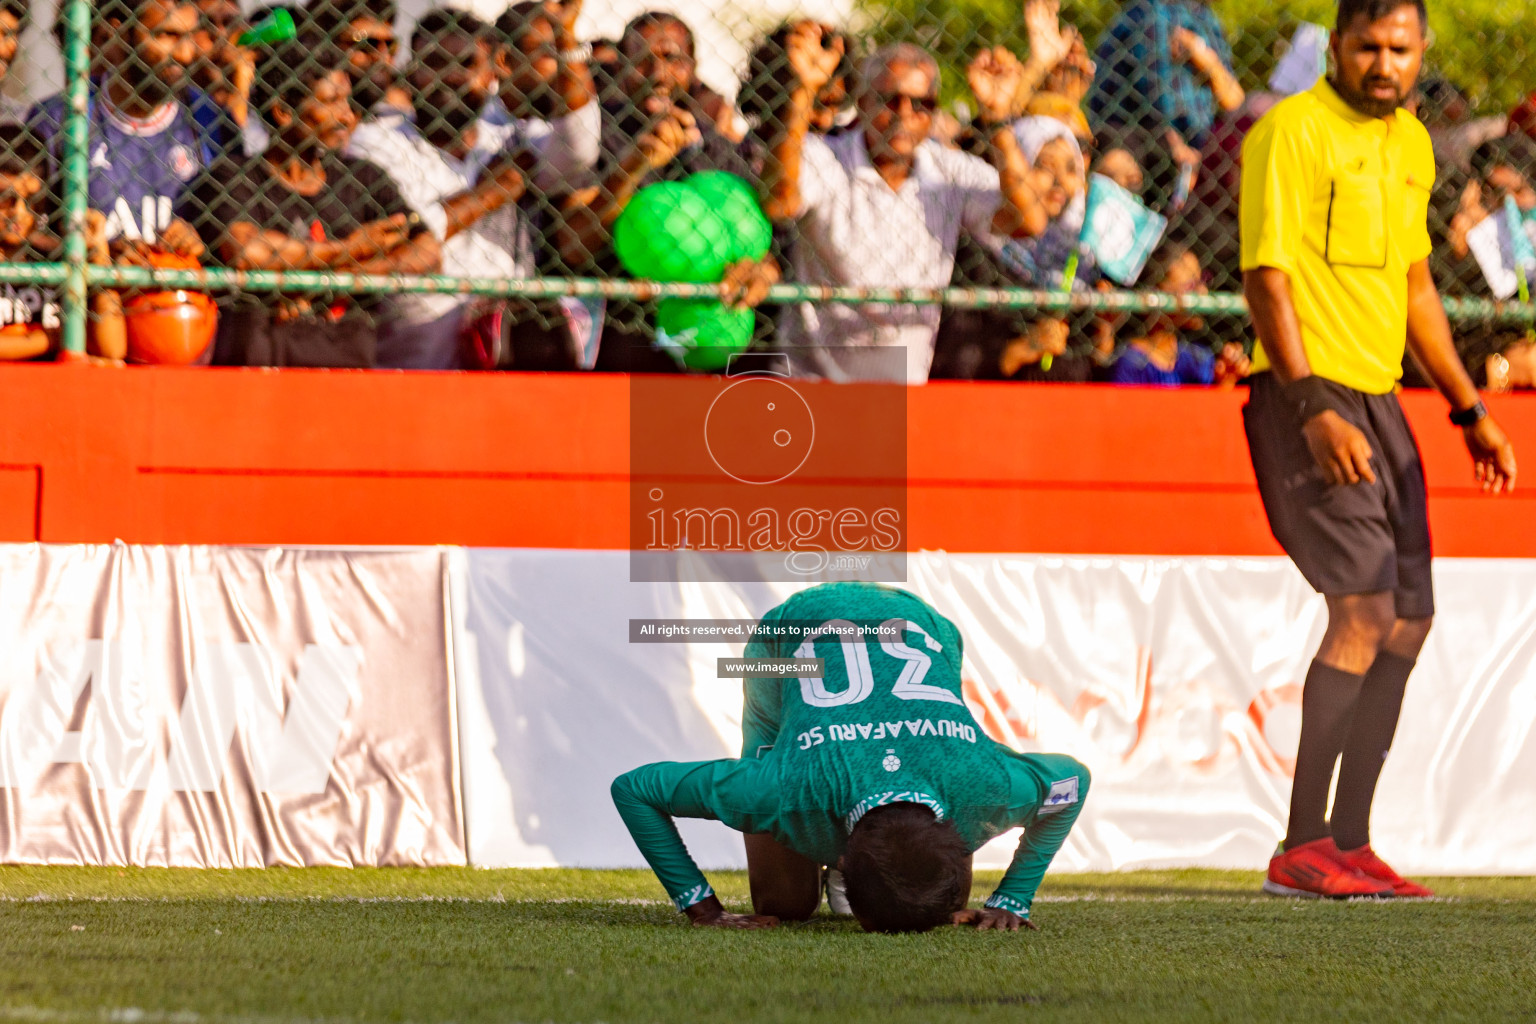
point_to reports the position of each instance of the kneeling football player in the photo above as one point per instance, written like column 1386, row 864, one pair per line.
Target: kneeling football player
column 876, row 766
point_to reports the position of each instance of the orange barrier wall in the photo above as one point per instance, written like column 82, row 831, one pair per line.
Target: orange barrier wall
column 527, row 460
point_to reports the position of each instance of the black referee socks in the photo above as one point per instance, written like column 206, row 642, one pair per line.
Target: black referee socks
column 1327, row 708
column 1370, row 735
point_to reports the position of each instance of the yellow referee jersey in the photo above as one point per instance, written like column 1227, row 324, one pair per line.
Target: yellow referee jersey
column 1338, row 201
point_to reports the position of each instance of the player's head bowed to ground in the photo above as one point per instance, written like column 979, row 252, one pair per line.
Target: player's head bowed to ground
column 871, row 763
column 906, row 871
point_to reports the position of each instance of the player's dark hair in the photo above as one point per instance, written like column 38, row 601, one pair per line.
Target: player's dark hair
column 288, row 73
column 1375, row 10
column 906, row 870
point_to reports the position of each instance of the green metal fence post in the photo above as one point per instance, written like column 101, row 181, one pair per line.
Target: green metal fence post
column 74, row 160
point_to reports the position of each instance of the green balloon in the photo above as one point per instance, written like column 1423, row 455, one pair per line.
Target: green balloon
column 669, row 233
column 707, row 332
column 736, row 203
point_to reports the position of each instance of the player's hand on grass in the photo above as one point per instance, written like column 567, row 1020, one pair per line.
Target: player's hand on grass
column 1493, row 457
column 709, row 913
column 1340, row 448
column 992, row 919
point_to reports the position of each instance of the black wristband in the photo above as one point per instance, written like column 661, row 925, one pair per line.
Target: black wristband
column 1311, row 395
column 1470, row 417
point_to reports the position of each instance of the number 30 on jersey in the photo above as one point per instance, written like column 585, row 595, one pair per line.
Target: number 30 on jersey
column 861, row 677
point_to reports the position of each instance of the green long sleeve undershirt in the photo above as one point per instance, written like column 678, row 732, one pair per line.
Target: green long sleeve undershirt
column 742, row 794
column 886, row 722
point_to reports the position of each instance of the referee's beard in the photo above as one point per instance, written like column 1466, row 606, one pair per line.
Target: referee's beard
column 1367, row 104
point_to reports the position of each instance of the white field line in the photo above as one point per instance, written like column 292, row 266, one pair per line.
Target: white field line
column 1089, row 897
column 135, row 1015
column 46, row 897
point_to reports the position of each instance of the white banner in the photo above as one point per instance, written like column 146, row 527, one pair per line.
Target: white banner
column 1177, row 680
column 225, row 707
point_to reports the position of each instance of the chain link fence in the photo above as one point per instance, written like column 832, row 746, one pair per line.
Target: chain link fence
column 1045, row 192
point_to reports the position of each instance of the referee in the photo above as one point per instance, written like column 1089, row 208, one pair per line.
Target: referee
column 1336, row 185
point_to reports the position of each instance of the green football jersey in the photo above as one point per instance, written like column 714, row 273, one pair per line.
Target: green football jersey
column 885, row 722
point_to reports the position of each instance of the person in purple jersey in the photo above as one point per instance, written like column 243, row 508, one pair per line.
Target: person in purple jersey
column 144, row 147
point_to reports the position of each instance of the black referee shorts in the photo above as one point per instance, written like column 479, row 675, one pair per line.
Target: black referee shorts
column 1348, row 538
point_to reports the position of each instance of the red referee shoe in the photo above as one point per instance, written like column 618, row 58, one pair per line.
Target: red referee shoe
column 1317, row 869
column 1365, row 861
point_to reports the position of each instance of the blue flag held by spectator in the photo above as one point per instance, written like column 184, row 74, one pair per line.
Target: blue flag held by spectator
column 1119, row 230
column 1520, row 242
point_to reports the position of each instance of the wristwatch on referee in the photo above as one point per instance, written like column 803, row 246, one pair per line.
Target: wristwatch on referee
column 1470, row 417
column 1311, row 395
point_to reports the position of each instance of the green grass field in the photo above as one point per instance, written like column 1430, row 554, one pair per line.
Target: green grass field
column 272, row 947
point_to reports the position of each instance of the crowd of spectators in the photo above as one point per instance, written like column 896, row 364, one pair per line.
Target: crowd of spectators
column 509, row 149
